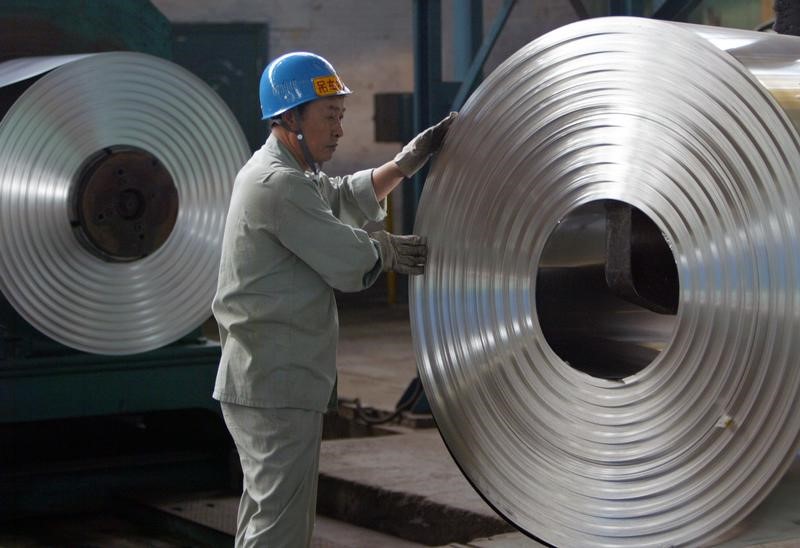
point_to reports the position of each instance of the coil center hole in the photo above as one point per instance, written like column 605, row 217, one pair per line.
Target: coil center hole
column 607, row 290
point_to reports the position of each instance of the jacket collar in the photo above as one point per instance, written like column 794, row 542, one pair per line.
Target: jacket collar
column 278, row 150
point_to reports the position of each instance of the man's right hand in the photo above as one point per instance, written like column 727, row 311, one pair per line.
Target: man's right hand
column 401, row 254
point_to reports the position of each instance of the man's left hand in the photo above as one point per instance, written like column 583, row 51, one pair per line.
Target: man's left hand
column 419, row 149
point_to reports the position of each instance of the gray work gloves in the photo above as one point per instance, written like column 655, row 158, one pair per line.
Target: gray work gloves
column 401, row 254
column 419, row 149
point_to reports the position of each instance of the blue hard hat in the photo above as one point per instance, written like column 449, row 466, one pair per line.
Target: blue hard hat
column 294, row 79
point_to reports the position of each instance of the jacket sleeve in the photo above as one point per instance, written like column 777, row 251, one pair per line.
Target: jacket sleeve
column 352, row 198
column 344, row 256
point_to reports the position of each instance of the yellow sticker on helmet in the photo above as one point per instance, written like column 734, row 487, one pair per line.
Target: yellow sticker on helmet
column 328, row 85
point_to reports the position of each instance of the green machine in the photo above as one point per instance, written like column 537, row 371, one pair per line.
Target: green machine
column 79, row 428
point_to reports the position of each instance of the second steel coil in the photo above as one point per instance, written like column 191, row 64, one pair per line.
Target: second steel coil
column 115, row 174
column 582, row 417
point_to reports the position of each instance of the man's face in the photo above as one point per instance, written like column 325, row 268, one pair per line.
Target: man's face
column 322, row 126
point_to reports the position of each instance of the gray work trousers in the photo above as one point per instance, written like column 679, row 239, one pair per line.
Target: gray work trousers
column 279, row 452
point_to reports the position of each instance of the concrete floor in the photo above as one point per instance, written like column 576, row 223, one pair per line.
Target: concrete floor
column 375, row 358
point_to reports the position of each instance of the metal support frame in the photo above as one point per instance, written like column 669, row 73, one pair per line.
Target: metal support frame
column 433, row 98
column 430, row 91
column 480, row 58
column 427, row 76
column 669, row 10
column 675, row 10
column 580, row 9
column 626, row 7
column 467, row 35
column 80, row 385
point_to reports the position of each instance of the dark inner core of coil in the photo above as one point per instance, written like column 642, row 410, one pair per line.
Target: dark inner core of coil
column 607, row 290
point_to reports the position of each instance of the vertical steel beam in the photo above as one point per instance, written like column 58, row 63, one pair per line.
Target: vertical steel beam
column 675, row 10
column 467, row 35
column 427, row 79
column 626, row 7
column 432, row 96
column 580, row 9
column 480, row 57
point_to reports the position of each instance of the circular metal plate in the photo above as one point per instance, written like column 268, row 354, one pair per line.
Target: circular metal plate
column 124, row 204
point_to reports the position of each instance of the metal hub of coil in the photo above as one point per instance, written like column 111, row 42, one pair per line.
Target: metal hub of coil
column 124, row 204
column 607, row 325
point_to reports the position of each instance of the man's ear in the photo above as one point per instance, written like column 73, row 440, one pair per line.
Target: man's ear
column 290, row 119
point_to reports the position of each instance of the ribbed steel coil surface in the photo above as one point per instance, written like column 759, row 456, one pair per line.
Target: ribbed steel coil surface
column 695, row 128
column 113, row 298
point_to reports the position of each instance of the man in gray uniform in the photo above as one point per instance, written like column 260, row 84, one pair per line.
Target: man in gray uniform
column 292, row 235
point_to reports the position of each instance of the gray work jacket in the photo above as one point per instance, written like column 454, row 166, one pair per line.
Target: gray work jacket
column 290, row 238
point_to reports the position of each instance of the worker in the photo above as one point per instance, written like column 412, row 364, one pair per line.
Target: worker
column 293, row 235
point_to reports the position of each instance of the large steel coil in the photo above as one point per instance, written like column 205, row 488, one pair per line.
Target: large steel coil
column 584, row 416
column 115, row 175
